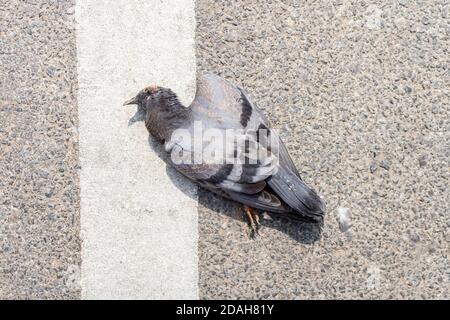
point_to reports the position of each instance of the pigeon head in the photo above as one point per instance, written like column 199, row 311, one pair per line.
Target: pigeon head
column 146, row 97
column 160, row 109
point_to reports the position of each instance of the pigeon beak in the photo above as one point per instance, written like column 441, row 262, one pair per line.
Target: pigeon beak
column 131, row 101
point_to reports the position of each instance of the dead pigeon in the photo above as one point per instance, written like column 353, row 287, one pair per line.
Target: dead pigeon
column 268, row 181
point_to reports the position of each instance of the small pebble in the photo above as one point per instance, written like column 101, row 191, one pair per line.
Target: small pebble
column 423, row 160
column 51, row 71
column 385, row 164
column 354, row 68
column 49, row 192
column 373, row 167
column 414, row 237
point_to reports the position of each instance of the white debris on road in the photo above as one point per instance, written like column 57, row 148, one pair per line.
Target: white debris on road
column 343, row 218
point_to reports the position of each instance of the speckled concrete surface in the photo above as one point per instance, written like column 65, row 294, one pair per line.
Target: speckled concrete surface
column 39, row 196
column 360, row 93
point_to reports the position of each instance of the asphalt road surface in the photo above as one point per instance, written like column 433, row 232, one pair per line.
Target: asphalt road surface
column 39, row 183
column 352, row 88
column 359, row 92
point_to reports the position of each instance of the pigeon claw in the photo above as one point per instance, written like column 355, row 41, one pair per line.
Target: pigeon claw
column 253, row 221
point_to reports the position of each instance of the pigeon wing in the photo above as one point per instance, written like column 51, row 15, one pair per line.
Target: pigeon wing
column 220, row 104
column 241, row 181
column 230, row 169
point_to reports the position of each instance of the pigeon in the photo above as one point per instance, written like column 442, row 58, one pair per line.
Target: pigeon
column 243, row 159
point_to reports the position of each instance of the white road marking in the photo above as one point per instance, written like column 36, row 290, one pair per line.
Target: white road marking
column 139, row 230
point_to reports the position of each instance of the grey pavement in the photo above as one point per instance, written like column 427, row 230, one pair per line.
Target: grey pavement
column 39, row 193
column 360, row 94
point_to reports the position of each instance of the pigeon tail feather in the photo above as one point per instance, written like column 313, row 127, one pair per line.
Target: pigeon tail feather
column 296, row 194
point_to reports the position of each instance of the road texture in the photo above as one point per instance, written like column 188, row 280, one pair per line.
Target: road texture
column 360, row 93
column 39, row 184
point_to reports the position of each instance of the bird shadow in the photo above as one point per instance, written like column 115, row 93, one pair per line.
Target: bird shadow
column 301, row 232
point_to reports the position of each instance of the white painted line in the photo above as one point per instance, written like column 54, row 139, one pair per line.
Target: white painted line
column 139, row 230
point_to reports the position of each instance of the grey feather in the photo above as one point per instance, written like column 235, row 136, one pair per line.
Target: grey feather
column 296, row 193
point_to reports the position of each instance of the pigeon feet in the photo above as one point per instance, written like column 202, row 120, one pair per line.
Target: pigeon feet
column 253, row 221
